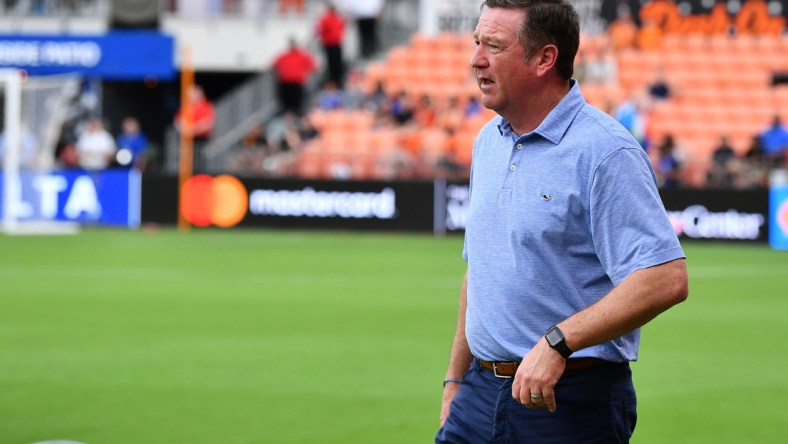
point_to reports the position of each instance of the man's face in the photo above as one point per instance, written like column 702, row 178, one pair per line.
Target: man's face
column 499, row 62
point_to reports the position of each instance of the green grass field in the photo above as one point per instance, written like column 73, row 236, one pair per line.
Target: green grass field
column 113, row 337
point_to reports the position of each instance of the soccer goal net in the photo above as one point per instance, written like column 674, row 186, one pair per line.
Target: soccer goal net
column 33, row 112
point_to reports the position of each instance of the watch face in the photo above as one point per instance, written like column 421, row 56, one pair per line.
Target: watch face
column 554, row 337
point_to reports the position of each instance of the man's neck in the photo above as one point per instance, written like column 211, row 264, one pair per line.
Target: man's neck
column 537, row 110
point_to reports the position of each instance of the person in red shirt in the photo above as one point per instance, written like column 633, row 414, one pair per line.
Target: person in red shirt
column 201, row 123
column 202, row 115
column 330, row 31
column 293, row 68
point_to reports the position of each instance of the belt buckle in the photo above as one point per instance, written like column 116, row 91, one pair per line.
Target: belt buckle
column 495, row 372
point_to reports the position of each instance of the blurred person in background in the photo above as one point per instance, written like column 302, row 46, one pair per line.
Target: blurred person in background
column 649, row 35
column 659, row 88
column 132, row 145
column 623, row 31
column 630, row 112
column 330, row 97
column 721, row 172
column 203, row 115
column 29, row 152
column 774, row 143
column 286, row 5
column 293, row 69
column 201, row 122
column 569, row 249
column 331, row 32
column 95, row 147
column 602, row 67
column 757, row 162
column 668, row 166
column 366, row 13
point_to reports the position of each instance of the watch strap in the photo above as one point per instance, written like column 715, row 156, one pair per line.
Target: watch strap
column 558, row 345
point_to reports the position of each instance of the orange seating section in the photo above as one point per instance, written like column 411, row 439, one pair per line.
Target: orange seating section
column 352, row 144
column 722, row 86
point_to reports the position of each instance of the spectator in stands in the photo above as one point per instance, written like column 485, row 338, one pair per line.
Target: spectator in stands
column 425, row 113
column 401, row 108
column 132, row 145
column 721, row 173
column 472, row 107
column 95, row 147
column 602, row 67
column 376, row 101
column 659, row 88
column 630, row 114
column 287, row 132
column 757, row 163
column 330, row 97
column 366, row 13
column 354, row 91
column 200, row 123
column 450, row 114
column 331, row 31
column 650, row 35
column 774, row 142
column 668, row 166
column 623, row 31
column 29, row 151
column 202, row 119
column 293, row 69
column 754, row 152
column 254, row 149
column 287, row 5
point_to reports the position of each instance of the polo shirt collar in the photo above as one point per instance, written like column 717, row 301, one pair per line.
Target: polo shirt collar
column 554, row 126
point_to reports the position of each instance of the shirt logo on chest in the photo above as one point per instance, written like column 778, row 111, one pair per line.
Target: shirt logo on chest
column 545, row 196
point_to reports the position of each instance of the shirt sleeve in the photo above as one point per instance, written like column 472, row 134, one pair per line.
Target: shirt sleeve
column 629, row 225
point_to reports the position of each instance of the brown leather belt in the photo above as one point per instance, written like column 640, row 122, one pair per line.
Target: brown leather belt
column 508, row 369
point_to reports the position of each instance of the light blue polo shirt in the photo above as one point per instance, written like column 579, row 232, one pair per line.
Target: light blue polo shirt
column 557, row 218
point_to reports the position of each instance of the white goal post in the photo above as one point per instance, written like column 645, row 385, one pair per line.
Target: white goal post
column 11, row 86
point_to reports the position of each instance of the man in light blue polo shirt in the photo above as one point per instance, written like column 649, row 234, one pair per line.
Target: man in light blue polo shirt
column 568, row 246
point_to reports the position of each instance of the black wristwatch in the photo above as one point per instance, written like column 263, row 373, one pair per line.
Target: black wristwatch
column 557, row 341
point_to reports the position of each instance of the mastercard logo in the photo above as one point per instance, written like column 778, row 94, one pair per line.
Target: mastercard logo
column 221, row 201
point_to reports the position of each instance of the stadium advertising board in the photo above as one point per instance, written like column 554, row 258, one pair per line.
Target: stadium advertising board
column 227, row 201
column 778, row 208
column 441, row 207
column 109, row 197
column 778, row 216
column 114, row 56
column 695, row 214
column 718, row 214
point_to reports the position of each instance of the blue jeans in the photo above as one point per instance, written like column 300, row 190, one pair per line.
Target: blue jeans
column 595, row 405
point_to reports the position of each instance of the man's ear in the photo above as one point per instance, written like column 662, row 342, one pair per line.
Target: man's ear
column 546, row 58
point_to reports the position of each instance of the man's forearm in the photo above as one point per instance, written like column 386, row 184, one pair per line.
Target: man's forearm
column 637, row 300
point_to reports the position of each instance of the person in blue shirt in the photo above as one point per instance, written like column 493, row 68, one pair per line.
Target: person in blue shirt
column 132, row 145
column 568, row 247
column 774, row 142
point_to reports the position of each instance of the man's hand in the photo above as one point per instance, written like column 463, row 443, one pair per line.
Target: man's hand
column 536, row 377
column 449, row 391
